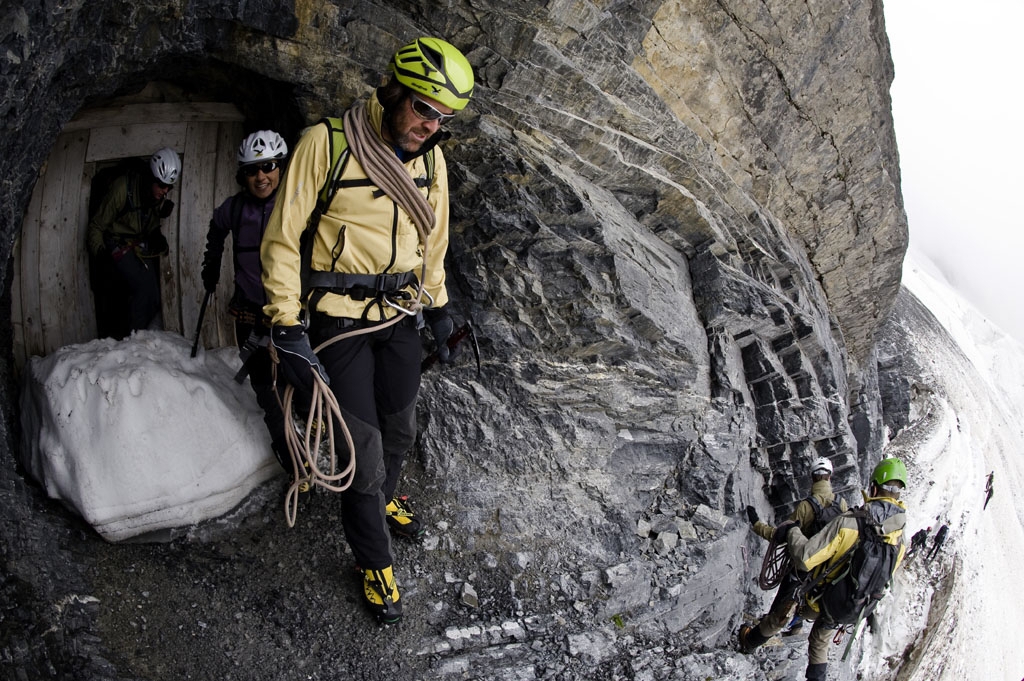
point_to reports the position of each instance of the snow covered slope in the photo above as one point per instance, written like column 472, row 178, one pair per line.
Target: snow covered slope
column 953, row 617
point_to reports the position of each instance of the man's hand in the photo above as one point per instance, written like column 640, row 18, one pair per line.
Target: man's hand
column 295, row 357
column 211, row 273
column 782, row 530
column 156, row 244
column 752, row 515
column 442, row 327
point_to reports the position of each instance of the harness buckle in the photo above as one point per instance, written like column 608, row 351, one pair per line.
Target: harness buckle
column 386, row 284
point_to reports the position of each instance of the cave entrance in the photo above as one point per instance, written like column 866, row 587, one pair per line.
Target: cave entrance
column 52, row 301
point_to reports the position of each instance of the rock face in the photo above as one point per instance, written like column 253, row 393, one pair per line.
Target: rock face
column 677, row 226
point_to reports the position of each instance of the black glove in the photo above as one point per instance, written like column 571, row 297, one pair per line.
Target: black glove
column 442, row 327
column 212, row 257
column 782, row 530
column 166, row 207
column 156, row 244
column 296, row 358
column 211, row 273
column 752, row 514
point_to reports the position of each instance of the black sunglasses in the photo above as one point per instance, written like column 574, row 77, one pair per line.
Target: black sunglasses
column 163, row 185
column 267, row 168
column 427, row 112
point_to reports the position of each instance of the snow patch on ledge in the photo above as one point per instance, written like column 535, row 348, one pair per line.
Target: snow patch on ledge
column 138, row 437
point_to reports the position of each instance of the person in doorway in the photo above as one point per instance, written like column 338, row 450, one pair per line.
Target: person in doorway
column 124, row 236
column 811, row 514
column 377, row 253
column 261, row 157
column 834, row 543
column 937, row 542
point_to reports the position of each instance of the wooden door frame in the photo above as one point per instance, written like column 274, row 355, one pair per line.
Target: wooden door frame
column 52, row 303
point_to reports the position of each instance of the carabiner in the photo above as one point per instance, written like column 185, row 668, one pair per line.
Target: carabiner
column 397, row 306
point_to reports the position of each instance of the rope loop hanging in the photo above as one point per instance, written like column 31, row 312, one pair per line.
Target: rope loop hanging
column 775, row 566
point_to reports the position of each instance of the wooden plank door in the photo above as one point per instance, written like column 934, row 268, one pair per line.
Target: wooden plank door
column 203, row 189
column 52, row 302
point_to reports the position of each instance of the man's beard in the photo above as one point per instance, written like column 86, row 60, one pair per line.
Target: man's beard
column 407, row 142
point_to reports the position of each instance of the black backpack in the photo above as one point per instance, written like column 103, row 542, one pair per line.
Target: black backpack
column 133, row 168
column 852, row 589
column 822, row 514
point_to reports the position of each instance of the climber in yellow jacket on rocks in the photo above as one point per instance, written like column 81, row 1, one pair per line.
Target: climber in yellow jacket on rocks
column 377, row 254
column 837, row 544
column 810, row 515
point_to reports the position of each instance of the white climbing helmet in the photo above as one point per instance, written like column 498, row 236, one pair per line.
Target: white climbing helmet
column 821, row 465
column 262, row 145
column 165, row 165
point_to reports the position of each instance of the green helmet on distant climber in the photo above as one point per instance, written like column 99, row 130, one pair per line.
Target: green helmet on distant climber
column 889, row 470
column 435, row 68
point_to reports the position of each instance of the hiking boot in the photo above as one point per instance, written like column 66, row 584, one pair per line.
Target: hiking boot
column 817, row 672
column 401, row 518
column 381, row 594
column 750, row 638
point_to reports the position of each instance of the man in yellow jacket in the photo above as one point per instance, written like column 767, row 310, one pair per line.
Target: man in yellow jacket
column 377, row 255
column 810, row 515
column 830, row 546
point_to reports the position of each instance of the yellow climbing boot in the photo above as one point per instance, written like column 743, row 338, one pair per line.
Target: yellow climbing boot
column 381, row 594
column 401, row 518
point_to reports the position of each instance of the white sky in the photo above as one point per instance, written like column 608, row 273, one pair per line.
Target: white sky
column 960, row 129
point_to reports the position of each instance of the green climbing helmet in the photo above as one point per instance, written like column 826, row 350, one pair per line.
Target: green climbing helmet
column 888, row 470
column 436, row 69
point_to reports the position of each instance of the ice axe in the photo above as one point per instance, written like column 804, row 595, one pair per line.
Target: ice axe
column 466, row 330
column 199, row 325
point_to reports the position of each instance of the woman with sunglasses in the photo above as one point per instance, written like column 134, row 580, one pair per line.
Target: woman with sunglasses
column 125, row 242
column 377, row 254
column 261, row 157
